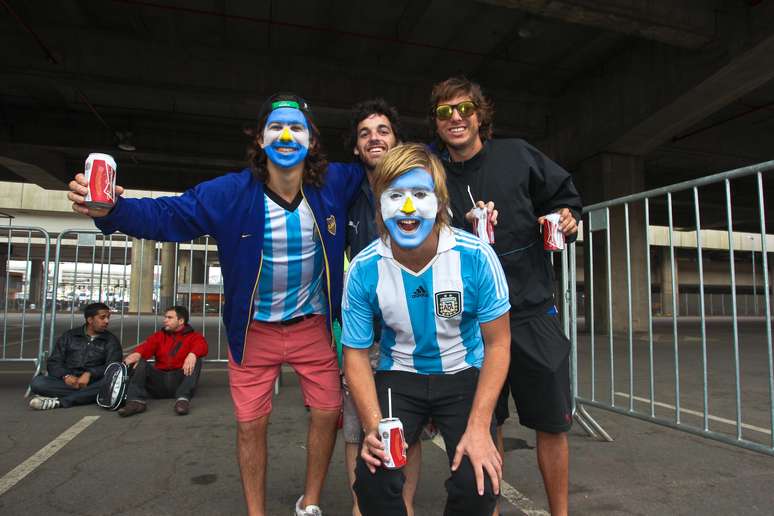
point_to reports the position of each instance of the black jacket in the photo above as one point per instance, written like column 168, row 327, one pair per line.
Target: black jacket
column 76, row 352
column 524, row 185
column 361, row 226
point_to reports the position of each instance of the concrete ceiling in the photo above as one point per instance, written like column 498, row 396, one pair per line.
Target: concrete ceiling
column 688, row 86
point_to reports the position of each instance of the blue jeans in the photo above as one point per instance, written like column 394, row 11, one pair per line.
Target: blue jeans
column 68, row 396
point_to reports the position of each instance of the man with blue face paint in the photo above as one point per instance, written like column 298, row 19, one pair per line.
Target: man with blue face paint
column 442, row 301
column 286, row 137
column 280, row 230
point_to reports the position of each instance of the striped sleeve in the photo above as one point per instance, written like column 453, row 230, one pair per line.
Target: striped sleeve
column 492, row 286
column 356, row 311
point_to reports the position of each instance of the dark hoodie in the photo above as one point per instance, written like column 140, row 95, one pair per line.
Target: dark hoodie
column 524, row 185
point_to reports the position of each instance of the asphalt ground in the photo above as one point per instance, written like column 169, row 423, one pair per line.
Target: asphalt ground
column 159, row 463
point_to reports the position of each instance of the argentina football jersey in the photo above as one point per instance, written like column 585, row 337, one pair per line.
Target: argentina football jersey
column 430, row 319
column 291, row 274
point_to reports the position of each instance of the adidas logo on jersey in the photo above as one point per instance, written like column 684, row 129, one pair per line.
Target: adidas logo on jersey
column 419, row 292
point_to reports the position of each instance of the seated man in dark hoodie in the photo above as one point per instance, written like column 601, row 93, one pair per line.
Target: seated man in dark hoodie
column 76, row 367
column 178, row 351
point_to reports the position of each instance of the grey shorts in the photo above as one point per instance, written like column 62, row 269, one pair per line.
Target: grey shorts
column 352, row 430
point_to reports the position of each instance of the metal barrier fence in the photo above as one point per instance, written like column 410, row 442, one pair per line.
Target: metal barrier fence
column 24, row 258
column 675, row 370
column 137, row 279
column 678, row 372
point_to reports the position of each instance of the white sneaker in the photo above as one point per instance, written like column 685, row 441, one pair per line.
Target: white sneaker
column 44, row 403
column 309, row 510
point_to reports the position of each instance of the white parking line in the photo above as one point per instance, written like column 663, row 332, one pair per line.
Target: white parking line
column 28, row 466
column 697, row 413
column 507, row 491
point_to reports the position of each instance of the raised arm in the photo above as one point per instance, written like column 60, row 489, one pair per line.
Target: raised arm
column 197, row 212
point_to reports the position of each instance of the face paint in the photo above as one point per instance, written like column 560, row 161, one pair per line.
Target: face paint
column 286, row 137
column 409, row 207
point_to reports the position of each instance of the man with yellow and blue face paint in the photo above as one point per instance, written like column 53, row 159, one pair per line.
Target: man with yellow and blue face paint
column 441, row 298
column 280, row 228
column 286, row 137
column 409, row 208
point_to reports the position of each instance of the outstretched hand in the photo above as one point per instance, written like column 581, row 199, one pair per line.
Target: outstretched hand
column 79, row 187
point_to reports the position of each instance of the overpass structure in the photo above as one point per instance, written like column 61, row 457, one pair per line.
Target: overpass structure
column 628, row 95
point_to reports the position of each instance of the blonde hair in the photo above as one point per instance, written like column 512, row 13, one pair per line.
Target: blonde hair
column 398, row 161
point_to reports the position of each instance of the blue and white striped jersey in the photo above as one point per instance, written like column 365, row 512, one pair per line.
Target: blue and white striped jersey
column 430, row 319
column 290, row 281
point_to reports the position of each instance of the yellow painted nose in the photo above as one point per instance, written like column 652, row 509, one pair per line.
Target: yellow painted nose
column 408, row 206
column 285, row 135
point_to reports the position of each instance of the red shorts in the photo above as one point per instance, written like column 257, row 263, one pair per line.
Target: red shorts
column 305, row 346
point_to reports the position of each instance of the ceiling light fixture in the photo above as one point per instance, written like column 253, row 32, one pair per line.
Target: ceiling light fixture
column 125, row 141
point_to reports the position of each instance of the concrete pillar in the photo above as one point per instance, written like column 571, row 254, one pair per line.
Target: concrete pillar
column 606, row 177
column 665, row 274
column 189, row 271
column 141, row 278
column 36, row 284
column 199, row 268
column 168, row 272
column 183, row 267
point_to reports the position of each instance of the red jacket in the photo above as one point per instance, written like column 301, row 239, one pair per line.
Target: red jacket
column 170, row 349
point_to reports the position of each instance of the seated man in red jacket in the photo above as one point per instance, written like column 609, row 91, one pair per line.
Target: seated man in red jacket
column 178, row 351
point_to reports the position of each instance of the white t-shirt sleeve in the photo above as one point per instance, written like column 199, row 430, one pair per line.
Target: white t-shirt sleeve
column 492, row 286
column 356, row 311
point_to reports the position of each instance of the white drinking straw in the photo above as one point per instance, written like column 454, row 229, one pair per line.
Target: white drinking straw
column 389, row 401
column 471, row 197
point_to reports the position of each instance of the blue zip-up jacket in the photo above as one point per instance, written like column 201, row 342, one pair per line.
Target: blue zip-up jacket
column 230, row 208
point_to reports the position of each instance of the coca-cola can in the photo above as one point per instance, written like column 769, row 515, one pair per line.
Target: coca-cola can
column 101, row 175
column 553, row 238
column 391, row 433
column 482, row 225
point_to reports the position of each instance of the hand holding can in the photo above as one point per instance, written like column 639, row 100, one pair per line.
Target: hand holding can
column 100, row 173
column 391, row 434
column 553, row 238
column 482, row 225
column 482, row 221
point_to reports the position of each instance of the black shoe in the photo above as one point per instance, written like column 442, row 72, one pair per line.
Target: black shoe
column 131, row 408
column 182, row 406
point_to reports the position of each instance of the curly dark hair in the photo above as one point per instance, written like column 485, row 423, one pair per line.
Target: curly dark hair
column 366, row 108
column 315, row 164
column 461, row 85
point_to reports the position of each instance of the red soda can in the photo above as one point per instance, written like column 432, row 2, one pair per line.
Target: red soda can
column 553, row 238
column 391, row 433
column 101, row 174
column 483, row 226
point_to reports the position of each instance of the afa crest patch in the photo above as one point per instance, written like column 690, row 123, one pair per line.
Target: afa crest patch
column 331, row 220
column 448, row 303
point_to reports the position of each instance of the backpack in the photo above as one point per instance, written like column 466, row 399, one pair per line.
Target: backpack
column 112, row 394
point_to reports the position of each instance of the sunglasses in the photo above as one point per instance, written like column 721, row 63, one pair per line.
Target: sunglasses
column 466, row 108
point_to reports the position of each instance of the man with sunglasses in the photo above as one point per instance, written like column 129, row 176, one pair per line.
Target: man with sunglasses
column 524, row 185
column 279, row 224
